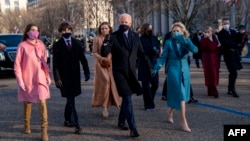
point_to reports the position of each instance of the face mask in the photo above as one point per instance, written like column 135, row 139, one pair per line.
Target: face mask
column 226, row 26
column 176, row 34
column 66, row 35
column 123, row 28
column 33, row 34
column 150, row 32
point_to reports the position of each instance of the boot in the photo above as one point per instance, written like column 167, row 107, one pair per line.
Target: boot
column 27, row 114
column 44, row 121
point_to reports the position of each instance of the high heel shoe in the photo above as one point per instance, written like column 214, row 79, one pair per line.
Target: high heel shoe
column 185, row 128
column 105, row 113
column 170, row 118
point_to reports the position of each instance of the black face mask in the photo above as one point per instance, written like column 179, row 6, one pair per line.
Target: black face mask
column 150, row 32
column 123, row 28
column 66, row 35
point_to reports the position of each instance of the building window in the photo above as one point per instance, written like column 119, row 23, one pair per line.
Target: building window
column 7, row 2
column 16, row 5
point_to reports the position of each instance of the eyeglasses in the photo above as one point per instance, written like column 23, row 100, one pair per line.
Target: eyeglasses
column 176, row 31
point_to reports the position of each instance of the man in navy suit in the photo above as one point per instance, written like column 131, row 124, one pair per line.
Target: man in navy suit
column 231, row 54
column 125, row 47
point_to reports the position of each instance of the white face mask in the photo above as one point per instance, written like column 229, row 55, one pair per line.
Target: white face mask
column 226, row 26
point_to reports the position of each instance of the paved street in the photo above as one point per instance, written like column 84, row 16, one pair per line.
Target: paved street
column 206, row 118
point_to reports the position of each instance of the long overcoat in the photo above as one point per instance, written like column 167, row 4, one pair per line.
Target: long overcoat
column 66, row 66
column 29, row 71
column 124, row 56
column 178, row 73
column 210, row 60
column 231, row 49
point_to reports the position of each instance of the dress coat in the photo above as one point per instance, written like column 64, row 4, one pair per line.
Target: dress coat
column 29, row 71
column 152, row 49
column 105, row 93
column 178, row 73
column 210, row 60
column 231, row 49
column 66, row 66
column 124, row 56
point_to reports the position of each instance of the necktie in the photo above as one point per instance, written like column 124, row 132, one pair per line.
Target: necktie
column 127, row 39
column 68, row 44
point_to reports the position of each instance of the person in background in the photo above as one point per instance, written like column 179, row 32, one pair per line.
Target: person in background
column 125, row 46
column 105, row 93
column 196, row 40
column 151, row 47
column 241, row 37
column 67, row 55
column 211, row 47
column 228, row 40
column 90, row 43
column 33, row 79
column 176, row 50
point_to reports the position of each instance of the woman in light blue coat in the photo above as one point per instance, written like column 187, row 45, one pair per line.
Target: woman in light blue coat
column 175, row 54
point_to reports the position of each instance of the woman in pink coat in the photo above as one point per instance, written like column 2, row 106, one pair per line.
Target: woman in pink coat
column 210, row 47
column 32, row 74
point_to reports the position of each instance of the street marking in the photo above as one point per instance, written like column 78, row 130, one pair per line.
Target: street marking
column 224, row 109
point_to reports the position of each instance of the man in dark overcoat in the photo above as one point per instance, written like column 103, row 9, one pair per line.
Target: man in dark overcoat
column 231, row 54
column 125, row 47
column 67, row 55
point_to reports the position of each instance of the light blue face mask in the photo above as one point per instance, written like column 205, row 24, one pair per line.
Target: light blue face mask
column 177, row 33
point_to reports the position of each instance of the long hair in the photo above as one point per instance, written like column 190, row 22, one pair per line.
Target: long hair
column 27, row 29
column 100, row 28
column 183, row 28
column 145, row 28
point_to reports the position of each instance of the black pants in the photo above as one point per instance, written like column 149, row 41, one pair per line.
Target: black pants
column 127, row 113
column 232, row 80
column 149, row 89
column 165, row 88
column 70, row 113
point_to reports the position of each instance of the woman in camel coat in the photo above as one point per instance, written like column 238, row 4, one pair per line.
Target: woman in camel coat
column 105, row 92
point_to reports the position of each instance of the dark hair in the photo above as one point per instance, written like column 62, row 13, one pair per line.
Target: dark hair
column 104, row 23
column 27, row 29
column 63, row 26
column 225, row 19
column 144, row 28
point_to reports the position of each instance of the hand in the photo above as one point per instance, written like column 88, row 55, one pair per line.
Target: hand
column 87, row 76
column 105, row 63
column 156, row 51
column 2, row 46
column 21, row 86
column 48, row 81
column 152, row 72
column 59, row 84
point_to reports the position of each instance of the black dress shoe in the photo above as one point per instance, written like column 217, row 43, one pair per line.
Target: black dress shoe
column 122, row 126
column 78, row 130
column 134, row 133
column 164, row 98
column 192, row 100
column 230, row 92
column 235, row 94
column 67, row 124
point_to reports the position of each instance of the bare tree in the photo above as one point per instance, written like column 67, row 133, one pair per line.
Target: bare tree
column 185, row 10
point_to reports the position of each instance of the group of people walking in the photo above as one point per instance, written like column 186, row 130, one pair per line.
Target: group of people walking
column 118, row 55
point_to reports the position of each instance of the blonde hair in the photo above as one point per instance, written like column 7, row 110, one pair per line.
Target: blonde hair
column 183, row 28
column 209, row 28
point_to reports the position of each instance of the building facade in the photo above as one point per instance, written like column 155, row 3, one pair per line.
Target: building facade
column 11, row 5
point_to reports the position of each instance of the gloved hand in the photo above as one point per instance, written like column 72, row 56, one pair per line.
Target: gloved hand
column 59, row 84
column 87, row 76
column 156, row 51
column 152, row 72
column 105, row 63
column 21, row 86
